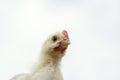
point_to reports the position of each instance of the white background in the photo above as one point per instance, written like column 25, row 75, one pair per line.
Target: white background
column 94, row 30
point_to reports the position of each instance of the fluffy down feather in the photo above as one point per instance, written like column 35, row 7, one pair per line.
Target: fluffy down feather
column 52, row 52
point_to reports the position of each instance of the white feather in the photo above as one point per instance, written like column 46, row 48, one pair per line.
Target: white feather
column 48, row 67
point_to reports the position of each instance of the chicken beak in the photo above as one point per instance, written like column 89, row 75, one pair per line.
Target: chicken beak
column 65, row 42
column 68, row 42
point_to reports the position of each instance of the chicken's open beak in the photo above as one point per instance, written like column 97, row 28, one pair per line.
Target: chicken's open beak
column 63, row 44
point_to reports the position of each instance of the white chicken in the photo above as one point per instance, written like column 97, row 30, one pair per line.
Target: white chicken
column 51, row 54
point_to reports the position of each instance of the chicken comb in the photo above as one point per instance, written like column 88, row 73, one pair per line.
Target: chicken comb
column 65, row 33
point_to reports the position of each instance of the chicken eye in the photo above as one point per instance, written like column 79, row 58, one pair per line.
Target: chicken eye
column 54, row 38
